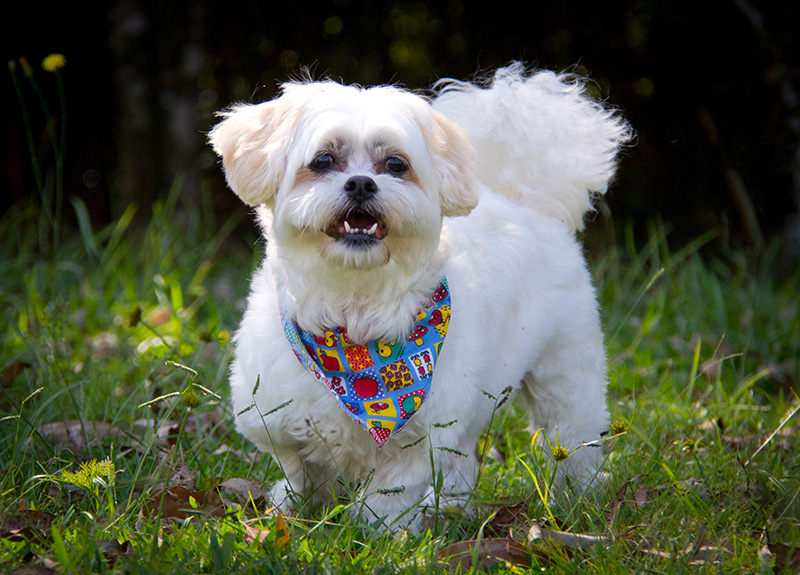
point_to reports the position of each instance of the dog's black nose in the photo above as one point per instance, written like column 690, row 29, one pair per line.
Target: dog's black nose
column 360, row 188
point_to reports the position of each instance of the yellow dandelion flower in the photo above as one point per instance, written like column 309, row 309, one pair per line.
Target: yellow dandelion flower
column 618, row 427
column 54, row 62
column 559, row 453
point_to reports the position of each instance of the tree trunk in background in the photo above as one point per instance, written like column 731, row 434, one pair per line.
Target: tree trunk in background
column 158, row 51
column 133, row 86
column 783, row 73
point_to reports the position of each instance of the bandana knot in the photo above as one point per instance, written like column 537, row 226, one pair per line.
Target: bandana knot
column 380, row 383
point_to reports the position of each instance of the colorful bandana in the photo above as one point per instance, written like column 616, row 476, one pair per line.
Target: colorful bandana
column 380, row 384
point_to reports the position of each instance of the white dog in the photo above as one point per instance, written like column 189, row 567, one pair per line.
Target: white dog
column 421, row 259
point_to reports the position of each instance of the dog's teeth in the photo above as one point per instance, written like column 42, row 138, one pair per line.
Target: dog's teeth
column 350, row 229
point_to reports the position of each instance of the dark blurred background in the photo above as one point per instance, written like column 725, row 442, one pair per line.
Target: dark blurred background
column 710, row 87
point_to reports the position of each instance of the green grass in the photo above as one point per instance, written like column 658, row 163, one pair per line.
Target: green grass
column 125, row 333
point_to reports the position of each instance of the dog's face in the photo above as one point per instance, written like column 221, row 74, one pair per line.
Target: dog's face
column 355, row 178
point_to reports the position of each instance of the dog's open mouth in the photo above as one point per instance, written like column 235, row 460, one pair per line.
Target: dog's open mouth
column 357, row 226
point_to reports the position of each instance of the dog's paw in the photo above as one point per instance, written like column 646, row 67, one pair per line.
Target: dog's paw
column 280, row 497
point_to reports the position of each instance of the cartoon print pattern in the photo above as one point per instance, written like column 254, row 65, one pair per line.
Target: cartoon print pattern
column 380, row 384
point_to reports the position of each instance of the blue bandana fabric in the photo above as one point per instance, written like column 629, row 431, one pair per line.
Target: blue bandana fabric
column 380, row 384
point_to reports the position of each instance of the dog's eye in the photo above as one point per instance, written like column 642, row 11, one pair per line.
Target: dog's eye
column 322, row 162
column 395, row 165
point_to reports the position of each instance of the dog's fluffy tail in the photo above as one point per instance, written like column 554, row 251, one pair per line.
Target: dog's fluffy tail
column 540, row 140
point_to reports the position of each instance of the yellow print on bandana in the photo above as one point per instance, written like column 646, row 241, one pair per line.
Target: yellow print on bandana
column 396, row 375
column 440, row 319
column 381, row 408
column 381, row 424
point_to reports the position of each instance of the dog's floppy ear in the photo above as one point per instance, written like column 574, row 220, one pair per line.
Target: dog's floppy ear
column 253, row 142
column 453, row 158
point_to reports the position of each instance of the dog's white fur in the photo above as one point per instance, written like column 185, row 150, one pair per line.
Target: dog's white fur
column 499, row 180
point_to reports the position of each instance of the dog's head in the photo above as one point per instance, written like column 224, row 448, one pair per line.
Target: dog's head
column 353, row 176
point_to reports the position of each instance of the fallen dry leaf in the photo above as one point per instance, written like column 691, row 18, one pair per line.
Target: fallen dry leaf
column 640, row 497
column 177, row 472
column 697, row 555
column 34, row 570
column 693, row 485
column 487, row 552
column 180, row 503
column 254, row 534
column 787, row 557
column 282, row 531
column 76, row 434
column 509, row 519
column 12, row 371
column 712, row 425
column 245, row 491
column 259, row 534
column 113, row 549
column 701, row 552
column 167, row 430
column 26, row 525
column 224, row 448
column 710, row 554
column 565, row 539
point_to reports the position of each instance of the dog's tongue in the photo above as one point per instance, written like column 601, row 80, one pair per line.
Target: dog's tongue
column 360, row 221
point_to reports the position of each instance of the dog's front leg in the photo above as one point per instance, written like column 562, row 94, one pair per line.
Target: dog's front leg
column 304, row 483
column 566, row 398
column 434, row 476
column 453, row 475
